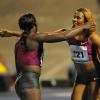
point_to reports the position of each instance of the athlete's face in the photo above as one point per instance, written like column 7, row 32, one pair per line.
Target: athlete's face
column 78, row 19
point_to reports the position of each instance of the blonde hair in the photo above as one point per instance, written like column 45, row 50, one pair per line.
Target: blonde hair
column 87, row 15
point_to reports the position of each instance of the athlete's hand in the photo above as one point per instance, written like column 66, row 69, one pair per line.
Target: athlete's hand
column 92, row 27
column 5, row 33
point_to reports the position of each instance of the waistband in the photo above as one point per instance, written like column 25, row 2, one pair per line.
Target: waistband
column 31, row 70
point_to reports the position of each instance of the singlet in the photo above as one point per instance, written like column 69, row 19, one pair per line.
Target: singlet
column 26, row 57
column 81, row 51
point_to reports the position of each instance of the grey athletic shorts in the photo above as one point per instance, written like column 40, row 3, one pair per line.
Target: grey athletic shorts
column 27, row 80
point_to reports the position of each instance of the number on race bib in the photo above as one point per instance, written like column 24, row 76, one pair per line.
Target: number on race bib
column 79, row 53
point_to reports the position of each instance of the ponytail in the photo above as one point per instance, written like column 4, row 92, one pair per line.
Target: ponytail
column 24, row 38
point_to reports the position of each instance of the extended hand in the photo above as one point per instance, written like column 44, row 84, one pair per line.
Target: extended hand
column 5, row 33
column 92, row 27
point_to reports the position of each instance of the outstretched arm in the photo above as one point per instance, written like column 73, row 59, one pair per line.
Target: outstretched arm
column 59, row 35
column 9, row 33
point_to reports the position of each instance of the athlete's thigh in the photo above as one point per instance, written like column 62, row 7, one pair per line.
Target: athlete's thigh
column 92, row 90
column 31, row 94
column 78, row 92
column 98, row 92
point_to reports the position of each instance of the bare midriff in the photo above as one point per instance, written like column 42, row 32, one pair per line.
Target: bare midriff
column 84, row 68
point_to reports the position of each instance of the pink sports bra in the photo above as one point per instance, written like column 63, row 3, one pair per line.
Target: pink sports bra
column 27, row 57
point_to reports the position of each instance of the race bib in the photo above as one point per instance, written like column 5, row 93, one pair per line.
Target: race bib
column 79, row 54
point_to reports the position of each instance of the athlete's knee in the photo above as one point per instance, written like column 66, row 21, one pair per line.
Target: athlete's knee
column 97, row 98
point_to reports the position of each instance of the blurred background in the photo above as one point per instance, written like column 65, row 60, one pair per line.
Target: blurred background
column 51, row 15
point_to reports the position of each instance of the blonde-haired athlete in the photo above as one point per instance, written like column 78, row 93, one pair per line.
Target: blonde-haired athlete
column 85, row 48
